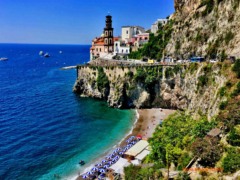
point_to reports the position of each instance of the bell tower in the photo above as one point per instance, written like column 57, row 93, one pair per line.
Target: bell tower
column 108, row 35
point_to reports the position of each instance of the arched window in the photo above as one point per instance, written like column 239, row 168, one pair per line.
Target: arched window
column 100, row 49
column 116, row 44
column 110, row 41
column 106, row 41
column 97, row 49
column 127, row 32
column 110, row 33
column 106, row 33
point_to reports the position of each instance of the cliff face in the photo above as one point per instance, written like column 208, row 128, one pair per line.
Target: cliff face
column 194, row 88
column 205, row 27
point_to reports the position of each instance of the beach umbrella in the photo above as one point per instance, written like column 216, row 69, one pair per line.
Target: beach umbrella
column 106, row 166
column 118, row 149
column 109, row 157
column 102, row 171
column 112, row 162
column 103, row 161
column 94, row 169
column 89, row 173
column 84, row 176
column 120, row 153
column 99, row 164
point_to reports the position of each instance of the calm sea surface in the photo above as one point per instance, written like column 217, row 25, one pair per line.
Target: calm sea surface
column 45, row 129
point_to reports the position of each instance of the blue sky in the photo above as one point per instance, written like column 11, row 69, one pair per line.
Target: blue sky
column 73, row 21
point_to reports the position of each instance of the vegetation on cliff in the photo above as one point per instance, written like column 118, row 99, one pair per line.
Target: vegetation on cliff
column 154, row 49
column 182, row 138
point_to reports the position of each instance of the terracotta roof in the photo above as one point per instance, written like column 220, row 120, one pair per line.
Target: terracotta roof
column 214, row 132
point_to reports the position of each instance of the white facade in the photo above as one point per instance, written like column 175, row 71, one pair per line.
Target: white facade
column 130, row 31
column 154, row 27
column 118, row 49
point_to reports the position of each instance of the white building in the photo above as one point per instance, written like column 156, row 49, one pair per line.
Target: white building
column 128, row 32
column 154, row 27
column 120, row 48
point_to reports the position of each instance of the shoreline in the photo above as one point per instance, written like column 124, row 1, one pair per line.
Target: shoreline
column 146, row 121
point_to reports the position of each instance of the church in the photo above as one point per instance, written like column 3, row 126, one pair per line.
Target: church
column 104, row 46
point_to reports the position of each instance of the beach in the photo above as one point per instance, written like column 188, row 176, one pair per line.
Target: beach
column 146, row 122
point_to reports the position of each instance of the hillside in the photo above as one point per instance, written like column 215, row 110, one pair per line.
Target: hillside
column 205, row 28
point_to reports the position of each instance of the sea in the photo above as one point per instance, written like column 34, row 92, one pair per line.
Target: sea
column 45, row 128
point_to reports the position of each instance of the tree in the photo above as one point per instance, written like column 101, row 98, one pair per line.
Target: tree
column 208, row 150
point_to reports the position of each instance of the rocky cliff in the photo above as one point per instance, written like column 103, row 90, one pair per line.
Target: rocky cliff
column 192, row 87
column 205, row 28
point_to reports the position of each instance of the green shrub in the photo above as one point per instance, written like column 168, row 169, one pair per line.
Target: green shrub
column 202, row 127
column 234, row 137
column 236, row 92
column 130, row 74
column 228, row 37
column 140, row 75
column 193, row 67
column 222, row 91
column 209, row 6
column 102, row 79
column 223, row 105
column 169, row 72
column 236, row 67
column 231, row 161
column 202, row 80
column 183, row 161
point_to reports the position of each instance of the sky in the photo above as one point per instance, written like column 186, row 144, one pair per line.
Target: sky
column 74, row 21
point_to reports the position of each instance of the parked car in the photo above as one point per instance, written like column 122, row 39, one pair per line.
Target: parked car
column 213, row 61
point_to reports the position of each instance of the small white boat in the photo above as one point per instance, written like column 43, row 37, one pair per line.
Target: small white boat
column 41, row 53
column 60, row 52
column 46, row 55
column 3, row 59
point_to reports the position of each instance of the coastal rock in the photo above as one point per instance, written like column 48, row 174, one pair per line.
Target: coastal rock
column 180, row 91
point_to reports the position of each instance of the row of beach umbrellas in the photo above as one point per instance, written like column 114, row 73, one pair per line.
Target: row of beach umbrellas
column 104, row 165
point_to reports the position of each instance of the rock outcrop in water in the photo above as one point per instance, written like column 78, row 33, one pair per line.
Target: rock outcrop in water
column 193, row 88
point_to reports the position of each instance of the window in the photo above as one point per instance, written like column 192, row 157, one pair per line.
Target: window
column 100, row 49
column 116, row 44
column 110, row 41
column 106, row 33
column 127, row 32
column 106, row 41
column 126, row 51
column 97, row 49
column 110, row 33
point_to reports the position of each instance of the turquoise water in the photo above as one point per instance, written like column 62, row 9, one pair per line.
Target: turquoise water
column 45, row 128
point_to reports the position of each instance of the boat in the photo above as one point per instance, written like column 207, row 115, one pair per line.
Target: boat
column 60, row 52
column 41, row 53
column 46, row 55
column 3, row 59
column 82, row 162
